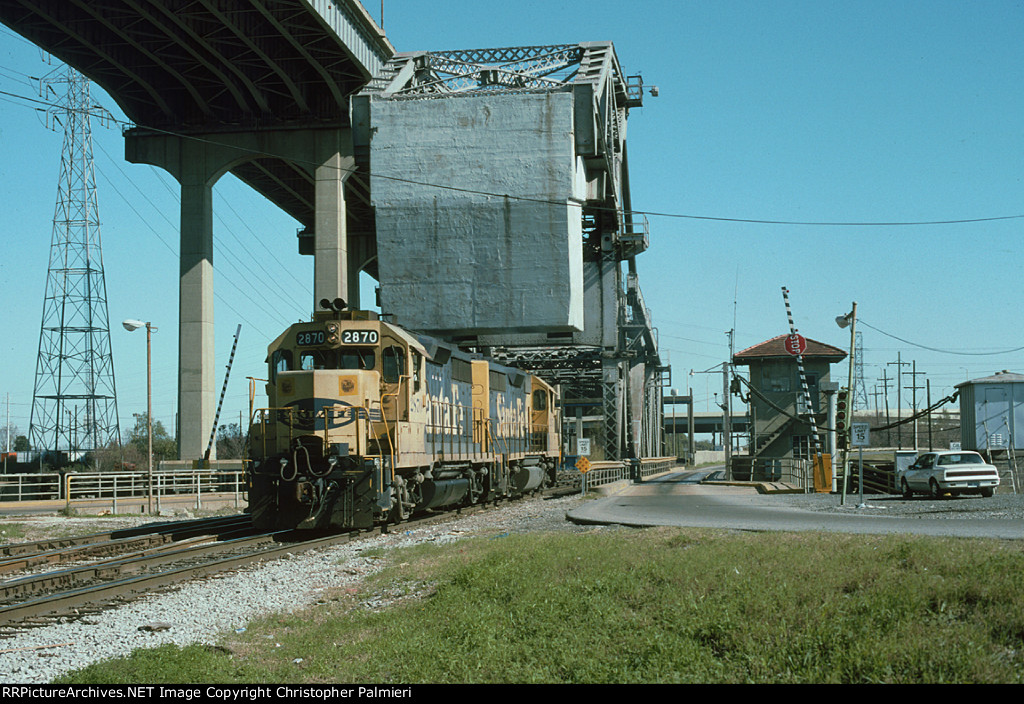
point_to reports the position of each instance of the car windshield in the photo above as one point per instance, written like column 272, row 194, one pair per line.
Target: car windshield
column 961, row 458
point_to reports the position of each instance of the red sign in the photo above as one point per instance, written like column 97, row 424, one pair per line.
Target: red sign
column 796, row 344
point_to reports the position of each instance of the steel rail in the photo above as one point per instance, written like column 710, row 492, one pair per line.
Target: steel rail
column 188, row 548
column 87, row 546
column 171, row 527
column 105, row 592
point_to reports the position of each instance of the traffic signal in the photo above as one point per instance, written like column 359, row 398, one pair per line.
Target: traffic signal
column 842, row 418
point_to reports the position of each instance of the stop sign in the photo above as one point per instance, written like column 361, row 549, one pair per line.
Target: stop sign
column 796, row 344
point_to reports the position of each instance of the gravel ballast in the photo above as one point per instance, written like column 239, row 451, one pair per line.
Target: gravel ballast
column 202, row 612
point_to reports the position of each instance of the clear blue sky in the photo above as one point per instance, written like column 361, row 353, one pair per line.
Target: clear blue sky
column 800, row 112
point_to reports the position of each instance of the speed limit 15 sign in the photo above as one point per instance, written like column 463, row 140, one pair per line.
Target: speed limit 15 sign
column 860, row 434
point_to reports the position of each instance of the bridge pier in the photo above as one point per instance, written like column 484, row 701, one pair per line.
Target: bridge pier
column 197, row 161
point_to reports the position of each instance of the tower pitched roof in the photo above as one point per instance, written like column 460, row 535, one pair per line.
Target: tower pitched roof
column 775, row 348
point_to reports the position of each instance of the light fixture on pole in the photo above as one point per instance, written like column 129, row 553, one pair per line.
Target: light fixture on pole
column 850, row 319
column 131, row 326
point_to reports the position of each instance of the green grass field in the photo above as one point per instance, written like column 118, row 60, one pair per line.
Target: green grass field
column 643, row 606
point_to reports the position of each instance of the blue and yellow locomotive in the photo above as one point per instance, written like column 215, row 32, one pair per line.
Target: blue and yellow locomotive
column 369, row 423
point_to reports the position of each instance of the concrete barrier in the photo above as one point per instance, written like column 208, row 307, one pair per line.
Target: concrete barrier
column 709, row 457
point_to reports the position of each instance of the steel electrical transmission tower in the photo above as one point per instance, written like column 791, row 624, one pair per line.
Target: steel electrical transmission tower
column 74, row 404
column 859, row 390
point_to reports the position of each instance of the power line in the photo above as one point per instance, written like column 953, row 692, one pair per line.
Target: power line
column 646, row 213
column 936, row 349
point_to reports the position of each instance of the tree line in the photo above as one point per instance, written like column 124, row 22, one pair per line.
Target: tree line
column 232, row 443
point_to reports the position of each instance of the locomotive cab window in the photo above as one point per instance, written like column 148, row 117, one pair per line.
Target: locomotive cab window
column 356, row 358
column 417, row 370
column 540, row 400
column 314, row 359
column 347, row 358
column 393, row 364
column 280, row 361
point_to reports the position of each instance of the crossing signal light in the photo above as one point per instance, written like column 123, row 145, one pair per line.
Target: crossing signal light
column 843, row 418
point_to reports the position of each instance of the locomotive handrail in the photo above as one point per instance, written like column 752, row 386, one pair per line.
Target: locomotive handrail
column 393, row 443
column 272, row 415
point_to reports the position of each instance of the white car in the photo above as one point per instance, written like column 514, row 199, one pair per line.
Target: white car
column 937, row 473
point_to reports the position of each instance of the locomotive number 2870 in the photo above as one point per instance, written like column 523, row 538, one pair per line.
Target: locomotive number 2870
column 359, row 337
column 310, row 337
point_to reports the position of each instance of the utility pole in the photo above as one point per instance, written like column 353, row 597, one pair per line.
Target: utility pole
column 875, row 393
column 726, row 422
column 913, row 390
column 689, row 427
column 899, row 397
column 928, row 390
column 885, row 395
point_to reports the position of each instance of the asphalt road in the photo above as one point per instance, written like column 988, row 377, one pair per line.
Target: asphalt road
column 678, row 499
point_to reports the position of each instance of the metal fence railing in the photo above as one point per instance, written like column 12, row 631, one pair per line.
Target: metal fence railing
column 29, row 487
column 608, row 472
column 120, row 487
column 795, row 472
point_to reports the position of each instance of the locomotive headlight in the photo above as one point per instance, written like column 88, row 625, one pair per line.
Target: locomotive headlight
column 332, row 333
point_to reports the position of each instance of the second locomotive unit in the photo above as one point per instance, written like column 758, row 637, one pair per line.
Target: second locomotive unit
column 369, row 423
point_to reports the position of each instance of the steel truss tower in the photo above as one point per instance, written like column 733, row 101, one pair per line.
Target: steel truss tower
column 74, row 404
column 859, row 390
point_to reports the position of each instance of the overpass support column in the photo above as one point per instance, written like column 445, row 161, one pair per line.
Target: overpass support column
column 331, row 275
column 196, row 164
column 196, row 373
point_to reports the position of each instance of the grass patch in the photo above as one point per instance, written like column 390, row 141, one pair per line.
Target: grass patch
column 12, row 532
column 657, row 605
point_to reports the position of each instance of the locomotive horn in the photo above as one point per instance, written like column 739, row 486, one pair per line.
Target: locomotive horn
column 337, row 305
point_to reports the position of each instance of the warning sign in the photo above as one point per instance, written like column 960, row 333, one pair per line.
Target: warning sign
column 583, row 464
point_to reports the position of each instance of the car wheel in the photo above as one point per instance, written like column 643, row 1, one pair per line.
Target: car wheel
column 907, row 492
column 933, row 489
column 987, row 492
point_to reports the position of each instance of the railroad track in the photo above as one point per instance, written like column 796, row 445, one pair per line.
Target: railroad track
column 19, row 557
column 79, row 590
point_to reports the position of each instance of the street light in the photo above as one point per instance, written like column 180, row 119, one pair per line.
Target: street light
column 131, row 326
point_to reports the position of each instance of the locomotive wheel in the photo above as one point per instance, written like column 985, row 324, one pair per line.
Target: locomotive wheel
column 477, row 489
column 399, row 511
